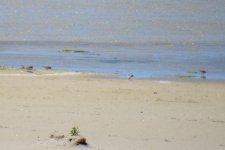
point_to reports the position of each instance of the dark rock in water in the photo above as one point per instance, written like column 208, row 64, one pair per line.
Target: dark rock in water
column 47, row 67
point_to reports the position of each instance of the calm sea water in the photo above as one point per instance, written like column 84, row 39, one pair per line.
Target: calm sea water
column 147, row 38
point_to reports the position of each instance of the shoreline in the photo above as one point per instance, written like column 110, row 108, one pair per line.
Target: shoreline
column 15, row 71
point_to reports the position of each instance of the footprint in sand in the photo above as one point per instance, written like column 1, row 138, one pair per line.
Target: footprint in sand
column 3, row 127
column 166, row 140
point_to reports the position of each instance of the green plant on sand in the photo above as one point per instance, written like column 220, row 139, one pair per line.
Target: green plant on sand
column 74, row 131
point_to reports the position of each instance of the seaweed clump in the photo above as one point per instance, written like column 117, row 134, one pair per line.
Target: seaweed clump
column 73, row 51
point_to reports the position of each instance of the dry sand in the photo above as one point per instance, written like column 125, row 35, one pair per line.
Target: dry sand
column 113, row 114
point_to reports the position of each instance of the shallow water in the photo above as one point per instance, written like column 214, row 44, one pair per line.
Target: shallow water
column 144, row 60
column 147, row 38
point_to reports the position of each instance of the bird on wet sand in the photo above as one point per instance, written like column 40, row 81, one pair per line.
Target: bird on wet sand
column 130, row 77
column 203, row 72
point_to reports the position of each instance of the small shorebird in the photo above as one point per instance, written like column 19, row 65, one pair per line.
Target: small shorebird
column 130, row 76
column 203, row 72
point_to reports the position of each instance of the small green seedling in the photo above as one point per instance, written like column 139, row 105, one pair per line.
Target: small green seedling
column 74, row 131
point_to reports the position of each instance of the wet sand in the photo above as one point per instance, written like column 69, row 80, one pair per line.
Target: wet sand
column 113, row 114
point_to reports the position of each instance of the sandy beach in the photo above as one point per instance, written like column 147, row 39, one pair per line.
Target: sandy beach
column 65, row 67
column 113, row 114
